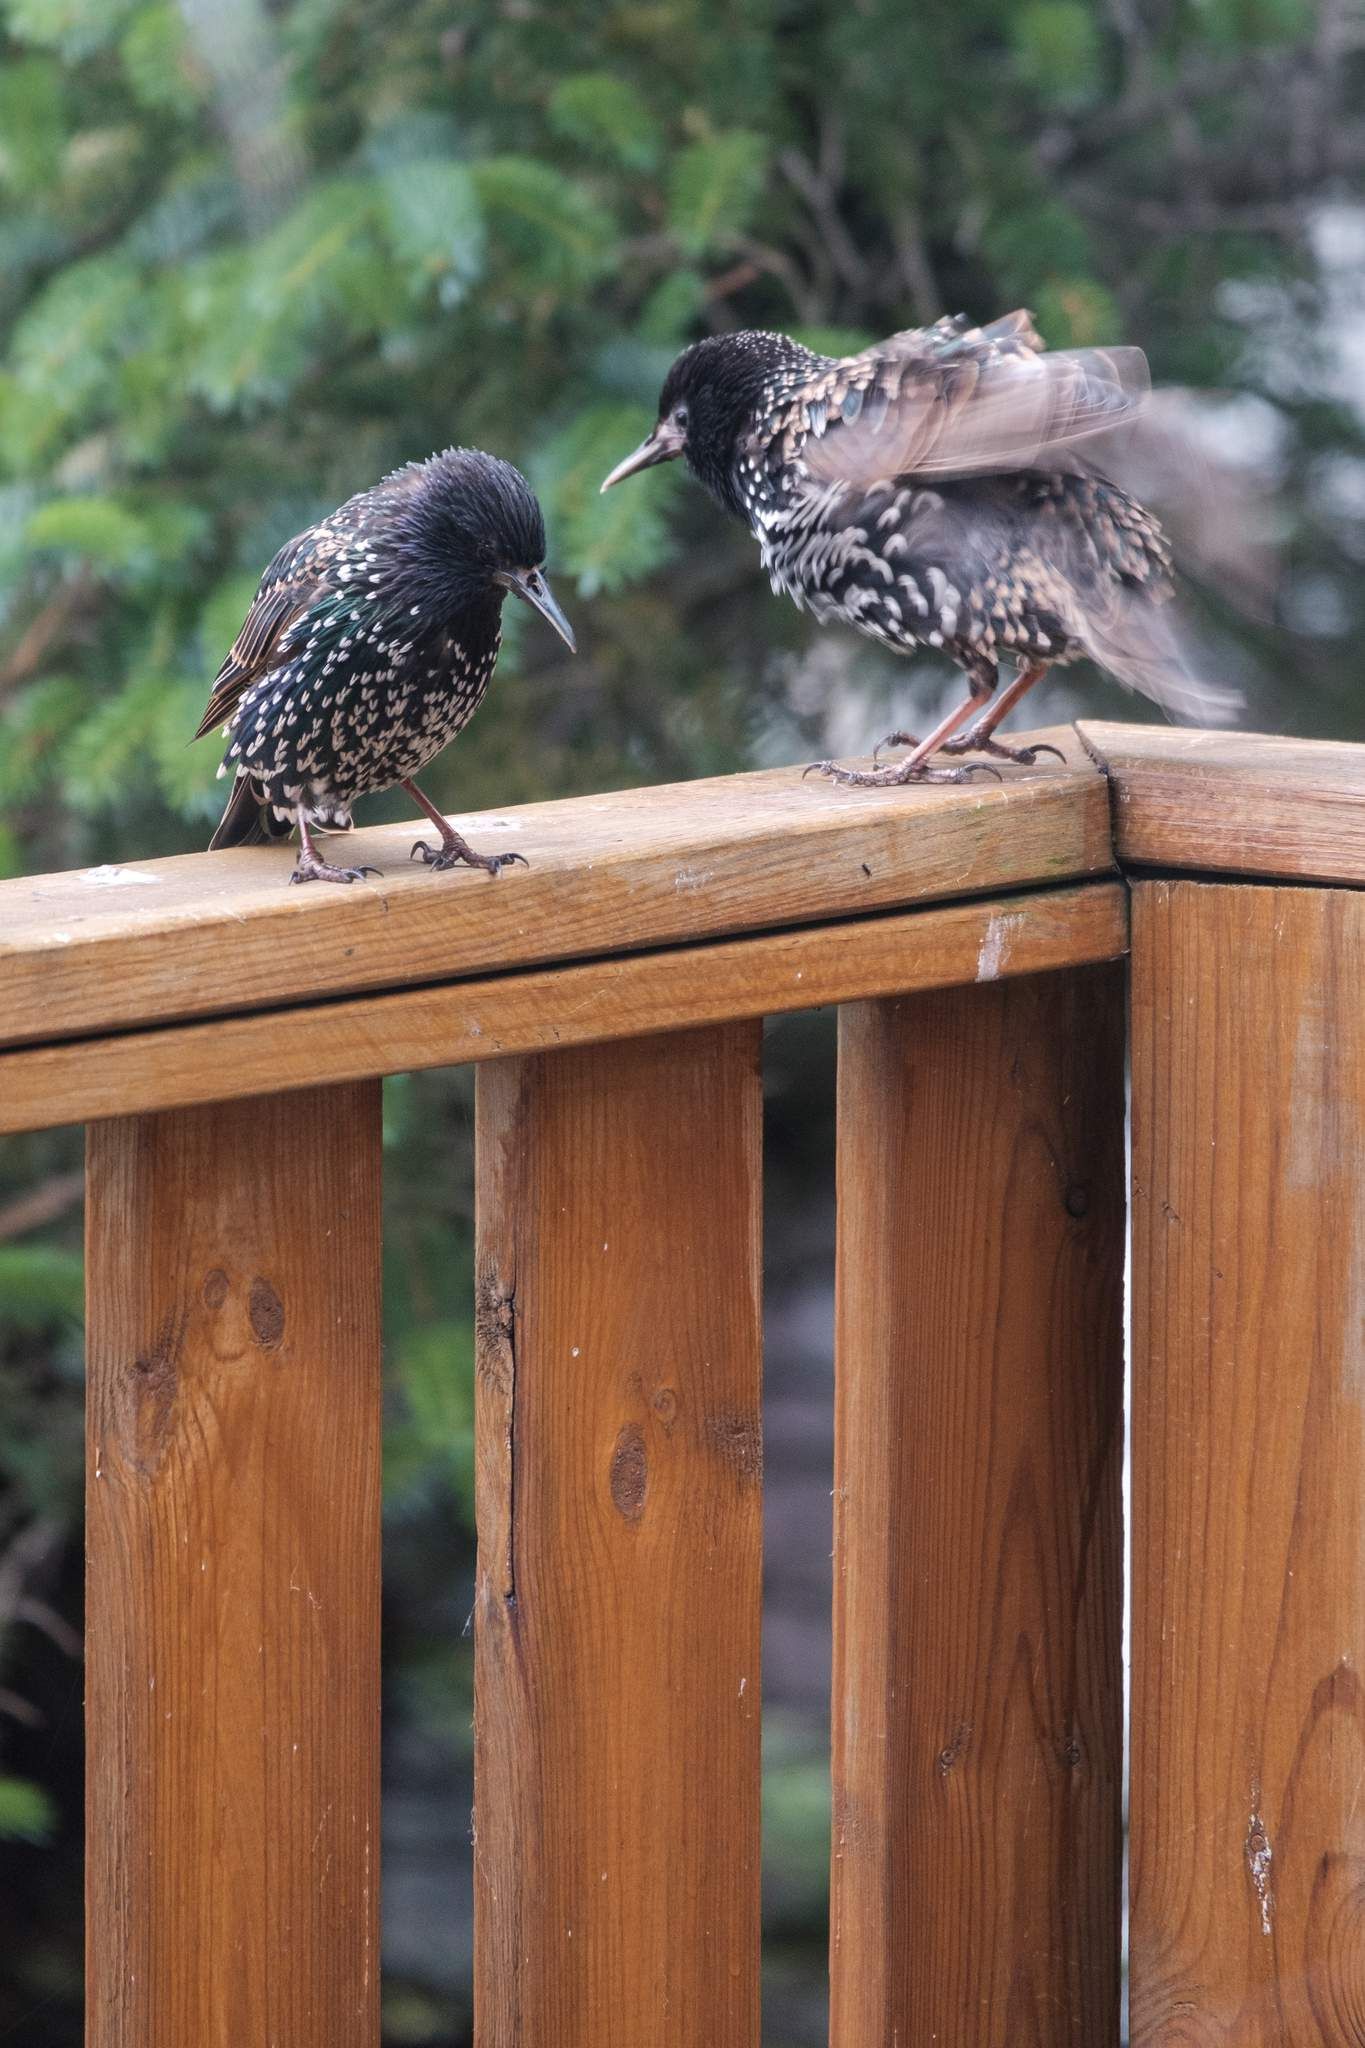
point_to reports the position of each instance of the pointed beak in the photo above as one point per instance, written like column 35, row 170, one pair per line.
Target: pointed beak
column 530, row 584
column 663, row 445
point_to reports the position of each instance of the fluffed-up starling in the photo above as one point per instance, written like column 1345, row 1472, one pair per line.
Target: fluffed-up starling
column 954, row 487
column 370, row 644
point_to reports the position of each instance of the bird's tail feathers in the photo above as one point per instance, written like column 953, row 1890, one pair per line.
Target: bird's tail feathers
column 247, row 821
column 1218, row 509
column 1146, row 649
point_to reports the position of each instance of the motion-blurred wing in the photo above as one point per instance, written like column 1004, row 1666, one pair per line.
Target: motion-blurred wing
column 1219, row 513
column 967, row 407
column 1013, row 333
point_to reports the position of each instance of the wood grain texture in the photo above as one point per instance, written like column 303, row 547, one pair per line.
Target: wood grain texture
column 1248, row 1761
column 620, row 1509
column 232, row 1604
column 978, row 1559
column 206, row 934
column 77, row 1080
column 1235, row 802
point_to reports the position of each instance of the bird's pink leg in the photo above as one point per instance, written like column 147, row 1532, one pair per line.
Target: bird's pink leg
column 978, row 738
column 453, row 851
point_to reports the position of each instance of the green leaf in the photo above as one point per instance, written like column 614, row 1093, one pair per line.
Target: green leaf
column 543, row 227
column 1057, row 43
column 27, row 1812
column 606, row 114
column 95, row 530
column 186, row 775
column 97, row 761
column 36, row 721
column 434, row 1368
column 435, row 224
column 672, row 307
column 65, row 353
column 1032, row 238
column 32, row 127
column 40, row 1285
column 1076, row 312
column 835, row 341
column 159, row 61
column 263, row 317
column 714, row 188
column 75, row 27
column 603, row 541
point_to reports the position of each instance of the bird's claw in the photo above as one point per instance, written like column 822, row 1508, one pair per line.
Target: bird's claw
column 324, row 871
column 444, row 857
column 907, row 772
column 1024, row 756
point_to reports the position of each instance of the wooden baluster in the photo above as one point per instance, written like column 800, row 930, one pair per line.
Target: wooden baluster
column 617, row 1636
column 232, row 1612
column 978, row 1567
column 1248, row 1755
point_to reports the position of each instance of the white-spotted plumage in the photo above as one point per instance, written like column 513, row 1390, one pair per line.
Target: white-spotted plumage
column 372, row 640
column 952, row 487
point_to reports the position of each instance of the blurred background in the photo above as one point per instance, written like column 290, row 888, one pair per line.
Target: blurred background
column 253, row 255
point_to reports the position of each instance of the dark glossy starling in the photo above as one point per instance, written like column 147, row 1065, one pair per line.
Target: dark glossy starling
column 369, row 645
column 954, row 487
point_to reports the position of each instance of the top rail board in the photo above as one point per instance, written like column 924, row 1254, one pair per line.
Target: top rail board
column 208, row 934
column 1235, row 802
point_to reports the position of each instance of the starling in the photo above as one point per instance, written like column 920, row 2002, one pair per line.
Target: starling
column 953, row 487
column 369, row 645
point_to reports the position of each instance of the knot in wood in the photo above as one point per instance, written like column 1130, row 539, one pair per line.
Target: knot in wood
column 629, row 1474
column 265, row 1312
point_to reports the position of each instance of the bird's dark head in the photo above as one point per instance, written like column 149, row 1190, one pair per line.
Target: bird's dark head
column 709, row 401
column 471, row 530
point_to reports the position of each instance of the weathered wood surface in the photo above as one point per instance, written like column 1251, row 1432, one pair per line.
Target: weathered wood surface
column 1248, row 1760
column 620, row 1522
column 1235, row 802
column 232, row 1611
column 978, row 1553
column 219, row 1058
column 213, row 933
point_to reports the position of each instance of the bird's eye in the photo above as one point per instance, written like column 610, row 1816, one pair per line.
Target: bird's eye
column 680, row 417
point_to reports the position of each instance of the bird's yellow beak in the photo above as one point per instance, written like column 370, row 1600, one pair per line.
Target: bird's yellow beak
column 665, row 444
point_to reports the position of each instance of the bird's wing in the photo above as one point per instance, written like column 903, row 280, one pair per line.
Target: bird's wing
column 286, row 590
column 1012, row 334
column 955, row 401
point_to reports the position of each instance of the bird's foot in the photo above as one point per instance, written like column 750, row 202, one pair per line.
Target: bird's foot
column 456, row 852
column 308, row 868
column 906, row 771
column 982, row 743
column 895, row 739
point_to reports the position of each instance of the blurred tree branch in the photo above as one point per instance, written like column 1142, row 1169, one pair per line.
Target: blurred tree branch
column 41, row 1205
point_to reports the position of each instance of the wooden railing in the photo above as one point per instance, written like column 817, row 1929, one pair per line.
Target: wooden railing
column 223, row 1037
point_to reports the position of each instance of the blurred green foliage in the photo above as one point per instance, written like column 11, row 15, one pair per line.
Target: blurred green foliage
column 251, row 257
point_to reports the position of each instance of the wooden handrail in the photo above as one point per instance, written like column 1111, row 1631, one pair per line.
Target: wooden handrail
column 212, row 934
column 1234, row 802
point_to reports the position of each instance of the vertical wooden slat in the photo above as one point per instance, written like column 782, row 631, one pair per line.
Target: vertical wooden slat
column 978, row 1568
column 1248, row 1746
column 617, row 1635
column 232, row 1609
